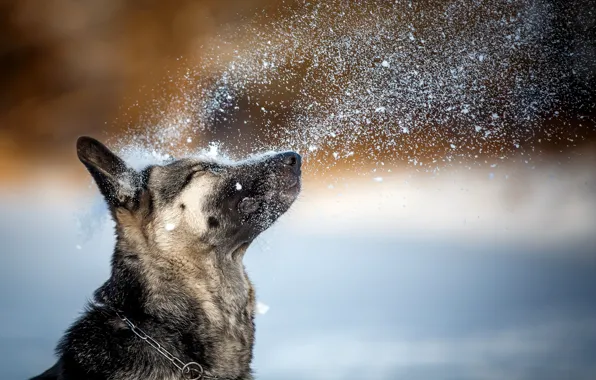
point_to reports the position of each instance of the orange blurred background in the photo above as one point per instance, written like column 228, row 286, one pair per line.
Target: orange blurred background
column 99, row 67
column 69, row 67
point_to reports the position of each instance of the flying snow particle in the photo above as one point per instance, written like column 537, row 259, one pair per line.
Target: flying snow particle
column 238, row 186
column 378, row 179
column 452, row 87
column 262, row 308
column 170, row 226
column 213, row 151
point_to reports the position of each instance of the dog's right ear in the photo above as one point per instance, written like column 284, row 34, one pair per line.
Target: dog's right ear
column 115, row 180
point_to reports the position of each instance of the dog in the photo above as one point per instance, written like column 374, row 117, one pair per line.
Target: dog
column 178, row 304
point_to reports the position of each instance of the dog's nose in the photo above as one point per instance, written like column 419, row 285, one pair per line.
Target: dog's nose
column 291, row 159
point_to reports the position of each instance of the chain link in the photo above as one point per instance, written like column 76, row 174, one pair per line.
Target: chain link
column 190, row 370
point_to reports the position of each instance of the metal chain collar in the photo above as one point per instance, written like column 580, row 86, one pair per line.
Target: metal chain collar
column 190, row 370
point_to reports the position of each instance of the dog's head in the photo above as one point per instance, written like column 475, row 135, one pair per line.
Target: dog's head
column 193, row 201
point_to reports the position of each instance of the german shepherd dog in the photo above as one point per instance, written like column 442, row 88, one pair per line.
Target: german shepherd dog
column 178, row 304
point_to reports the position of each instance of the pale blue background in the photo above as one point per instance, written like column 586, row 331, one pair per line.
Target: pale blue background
column 342, row 305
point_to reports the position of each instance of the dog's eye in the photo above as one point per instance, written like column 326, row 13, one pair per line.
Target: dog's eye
column 191, row 175
column 216, row 169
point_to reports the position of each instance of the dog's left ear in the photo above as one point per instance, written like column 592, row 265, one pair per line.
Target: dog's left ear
column 116, row 181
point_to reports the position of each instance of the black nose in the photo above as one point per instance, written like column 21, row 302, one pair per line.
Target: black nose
column 291, row 159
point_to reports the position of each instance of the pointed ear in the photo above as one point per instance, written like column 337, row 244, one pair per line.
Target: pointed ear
column 116, row 181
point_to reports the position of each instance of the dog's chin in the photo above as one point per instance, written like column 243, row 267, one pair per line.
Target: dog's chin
column 290, row 193
column 275, row 209
column 288, row 196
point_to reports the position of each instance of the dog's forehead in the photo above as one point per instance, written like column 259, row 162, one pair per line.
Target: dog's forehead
column 184, row 165
column 177, row 170
column 167, row 181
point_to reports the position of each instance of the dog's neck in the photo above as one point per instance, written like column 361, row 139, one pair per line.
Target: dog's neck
column 193, row 275
column 211, row 296
column 174, row 281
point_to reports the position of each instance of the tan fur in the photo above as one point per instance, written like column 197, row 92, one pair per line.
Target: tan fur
column 172, row 261
column 177, row 272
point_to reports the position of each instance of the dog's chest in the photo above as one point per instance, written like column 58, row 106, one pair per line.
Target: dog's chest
column 228, row 327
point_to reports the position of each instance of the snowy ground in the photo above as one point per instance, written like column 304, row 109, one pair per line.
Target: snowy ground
column 458, row 277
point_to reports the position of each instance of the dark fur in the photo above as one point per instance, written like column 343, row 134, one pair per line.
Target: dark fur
column 186, row 288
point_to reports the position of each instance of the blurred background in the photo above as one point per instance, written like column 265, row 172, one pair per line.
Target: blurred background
column 447, row 225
